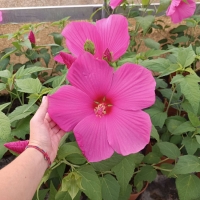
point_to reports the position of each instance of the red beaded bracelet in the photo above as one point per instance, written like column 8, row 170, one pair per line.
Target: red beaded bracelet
column 46, row 156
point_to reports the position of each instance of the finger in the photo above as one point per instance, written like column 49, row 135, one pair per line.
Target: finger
column 50, row 121
column 55, row 129
column 61, row 133
column 42, row 110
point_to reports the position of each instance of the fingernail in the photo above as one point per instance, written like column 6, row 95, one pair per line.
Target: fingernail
column 44, row 98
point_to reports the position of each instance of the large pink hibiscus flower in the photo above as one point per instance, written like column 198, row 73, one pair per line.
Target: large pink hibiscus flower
column 108, row 39
column 114, row 3
column 180, row 10
column 103, row 107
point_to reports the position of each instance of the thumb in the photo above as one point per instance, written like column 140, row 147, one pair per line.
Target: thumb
column 42, row 110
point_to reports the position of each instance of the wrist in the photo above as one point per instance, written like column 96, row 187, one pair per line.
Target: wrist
column 42, row 153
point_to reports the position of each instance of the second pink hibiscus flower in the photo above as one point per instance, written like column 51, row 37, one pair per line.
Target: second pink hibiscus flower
column 108, row 39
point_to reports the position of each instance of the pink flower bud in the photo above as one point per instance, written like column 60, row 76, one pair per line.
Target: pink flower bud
column 1, row 17
column 31, row 37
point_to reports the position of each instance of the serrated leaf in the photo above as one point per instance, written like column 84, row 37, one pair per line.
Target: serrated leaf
column 71, row 183
column 187, row 164
column 2, row 149
column 186, row 56
column 151, row 158
column 57, row 38
column 5, row 74
column 147, row 173
column 52, row 192
column 19, row 112
column 156, row 65
column 181, row 39
column 172, row 68
column 110, row 187
column 188, row 187
column 24, row 72
column 124, row 171
column 154, row 133
column 168, row 149
column 194, row 119
column 29, row 85
column 164, row 4
column 191, row 145
column 106, row 165
column 145, row 22
column 174, row 122
column 90, row 182
column 157, row 115
column 2, row 106
column 71, row 152
column 152, row 44
column 4, row 128
column 2, row 86
column 22, row 128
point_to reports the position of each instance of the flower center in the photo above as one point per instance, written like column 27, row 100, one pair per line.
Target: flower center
column 107, row 55
column 102, row 106
column 89, row 47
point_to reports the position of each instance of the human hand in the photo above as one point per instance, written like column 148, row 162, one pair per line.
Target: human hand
column 44, row 132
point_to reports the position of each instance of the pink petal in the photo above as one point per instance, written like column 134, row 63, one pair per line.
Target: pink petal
column 65, row 58
column 114, row 35
column 31, row 37
column 128, row 131
column 90, row 75
column 91, row 136
column 17, row 147
column 68, row 106
column 114, row 3
column 77, row 33
column 133, row 87
column 1, row 17
column 180, row 10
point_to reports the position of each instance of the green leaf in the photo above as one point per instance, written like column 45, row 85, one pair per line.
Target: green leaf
column 52, row 192
column 106, row 165
column 191, row 145
column 186, row 56
column 145, row 22
column 179, row 29
column 71, row 152
column 4, row 128
column 147, row 173
column 172, row 68
column 165, row 167
column 45, row 55
column 26, row 43
column 2, row 86
column 42, row 194
column 5, row 74
column 154, row 133
column 71, row 183
column 2, row 106
column 187, row 164
column 181, row 39
column 157, row 115
column 22, row 128
column 152, row 44
column 29, row 85
column 160, row 83
column 57, row 38
column 145, row 2
column 188, row 187
column 110, row 187
column 124, row 171
column 193, row 119
column 2, row 149
column 190, row 88
column 24, row 72
column 151, row 158
column 20, row 112
column 164, row 4
column 65, row 196
column 59, row 80
column 156, row 65
column 126, row 194
column 90, row 182
column 168, row 149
